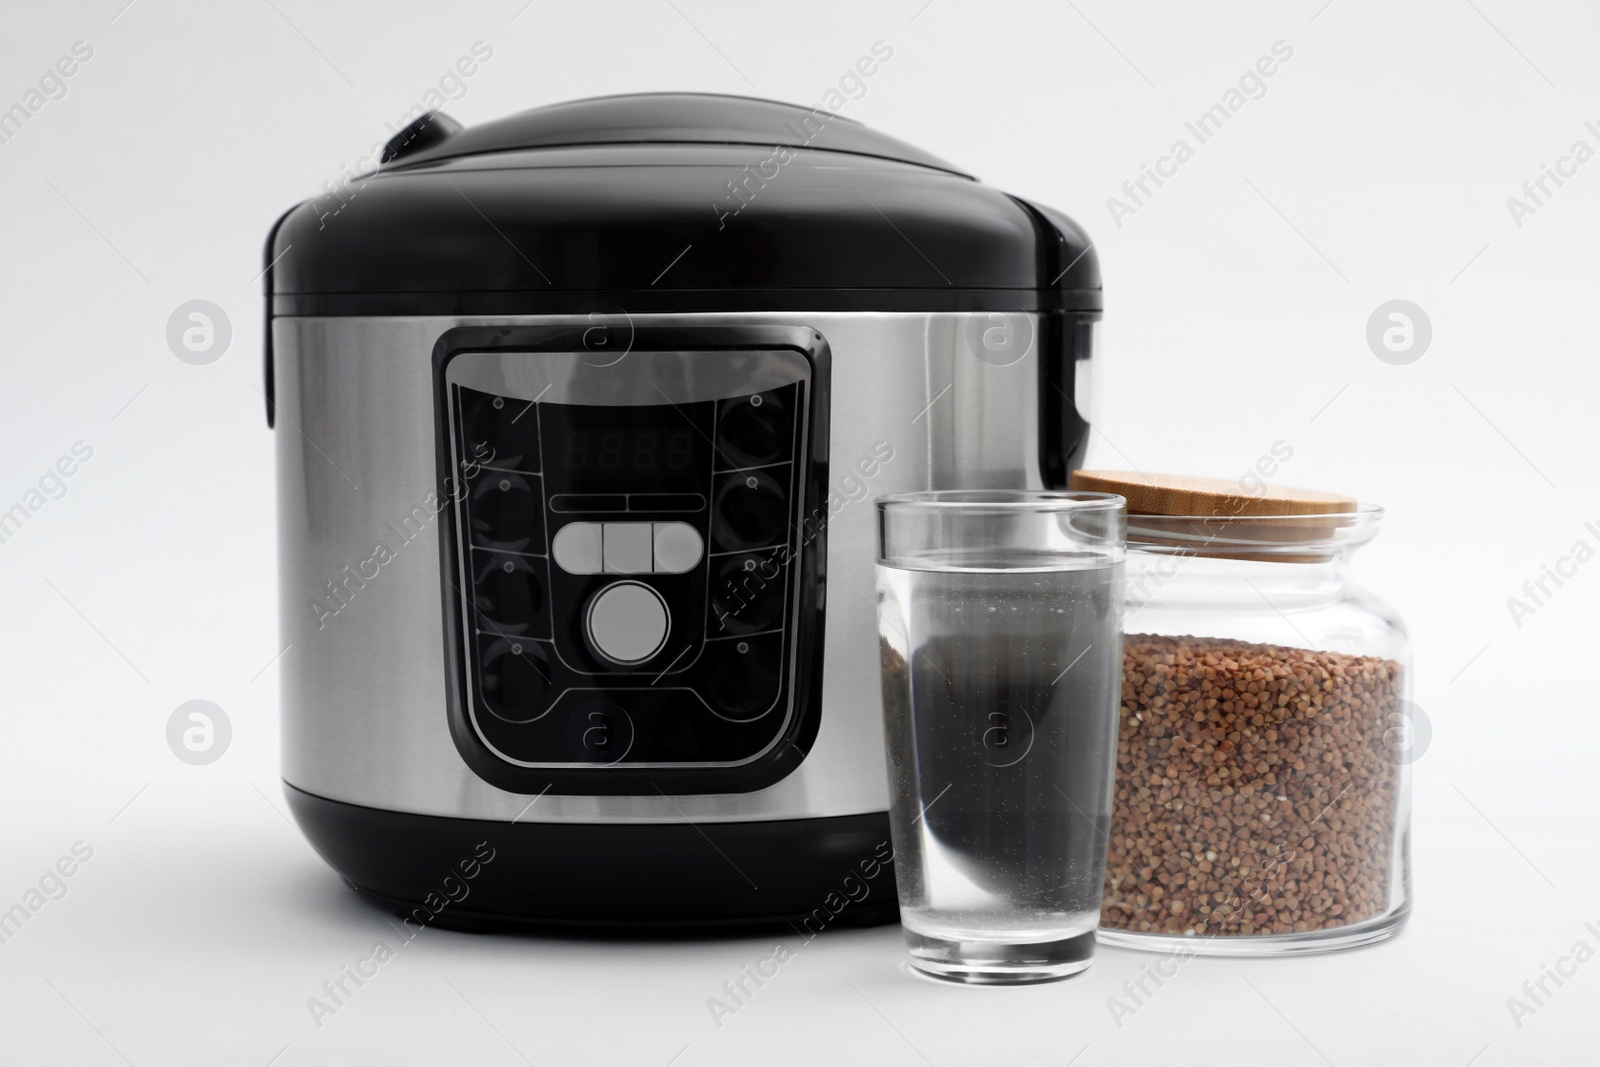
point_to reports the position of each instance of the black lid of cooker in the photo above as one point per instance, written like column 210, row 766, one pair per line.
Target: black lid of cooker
column 660, row 118
column 672, row 201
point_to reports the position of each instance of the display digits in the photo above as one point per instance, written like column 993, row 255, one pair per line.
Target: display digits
column 610, row 450
column 577, row 451
column 680, row 452
column 624, row 450
column 644, row 452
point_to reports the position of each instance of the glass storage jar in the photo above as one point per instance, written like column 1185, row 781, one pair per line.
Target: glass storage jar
column 1262, row 792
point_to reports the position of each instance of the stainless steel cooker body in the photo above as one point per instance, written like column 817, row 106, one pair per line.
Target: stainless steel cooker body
column 913, row 402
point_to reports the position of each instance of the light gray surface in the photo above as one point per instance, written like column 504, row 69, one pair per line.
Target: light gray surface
column 1389, row 144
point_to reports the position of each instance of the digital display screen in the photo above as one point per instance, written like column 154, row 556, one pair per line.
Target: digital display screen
column 639, row 451
column 643, row 449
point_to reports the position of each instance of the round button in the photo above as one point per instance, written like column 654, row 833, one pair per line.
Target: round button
column 751, row 510
column 515, row 677
column 753, row 431
column 628, row 622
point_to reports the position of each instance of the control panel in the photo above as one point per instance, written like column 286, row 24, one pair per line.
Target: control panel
column 627, row 546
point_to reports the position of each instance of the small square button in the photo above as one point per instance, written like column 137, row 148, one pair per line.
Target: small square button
column 627, row 547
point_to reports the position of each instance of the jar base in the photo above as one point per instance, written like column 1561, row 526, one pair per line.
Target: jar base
column 1305, row 943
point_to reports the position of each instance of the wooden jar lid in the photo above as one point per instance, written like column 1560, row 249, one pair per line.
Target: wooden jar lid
column 1212, row 508
column 1182, row 494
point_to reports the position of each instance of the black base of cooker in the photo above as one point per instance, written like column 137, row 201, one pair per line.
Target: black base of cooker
column 479, row 875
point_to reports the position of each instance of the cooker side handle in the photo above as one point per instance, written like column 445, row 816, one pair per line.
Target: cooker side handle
column 1068, row 273
column 269, row 261
column 1065, row 340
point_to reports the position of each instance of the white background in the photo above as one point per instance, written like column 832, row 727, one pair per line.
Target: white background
column 1377, row 166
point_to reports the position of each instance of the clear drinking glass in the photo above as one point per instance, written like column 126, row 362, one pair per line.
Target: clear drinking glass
column 1000, row 625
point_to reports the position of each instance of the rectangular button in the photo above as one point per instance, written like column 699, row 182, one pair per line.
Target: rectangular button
column 627, row 547
column 666, row 502
column 581, row 503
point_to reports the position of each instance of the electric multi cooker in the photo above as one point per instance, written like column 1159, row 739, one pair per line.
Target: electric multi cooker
column 578, row 418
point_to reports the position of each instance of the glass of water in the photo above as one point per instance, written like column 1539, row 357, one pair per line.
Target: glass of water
column 1000, row 627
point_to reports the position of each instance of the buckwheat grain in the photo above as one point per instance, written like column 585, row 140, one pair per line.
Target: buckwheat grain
column 1256, row 792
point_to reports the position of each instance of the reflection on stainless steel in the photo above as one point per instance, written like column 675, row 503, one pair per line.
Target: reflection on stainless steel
column 640, row 378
